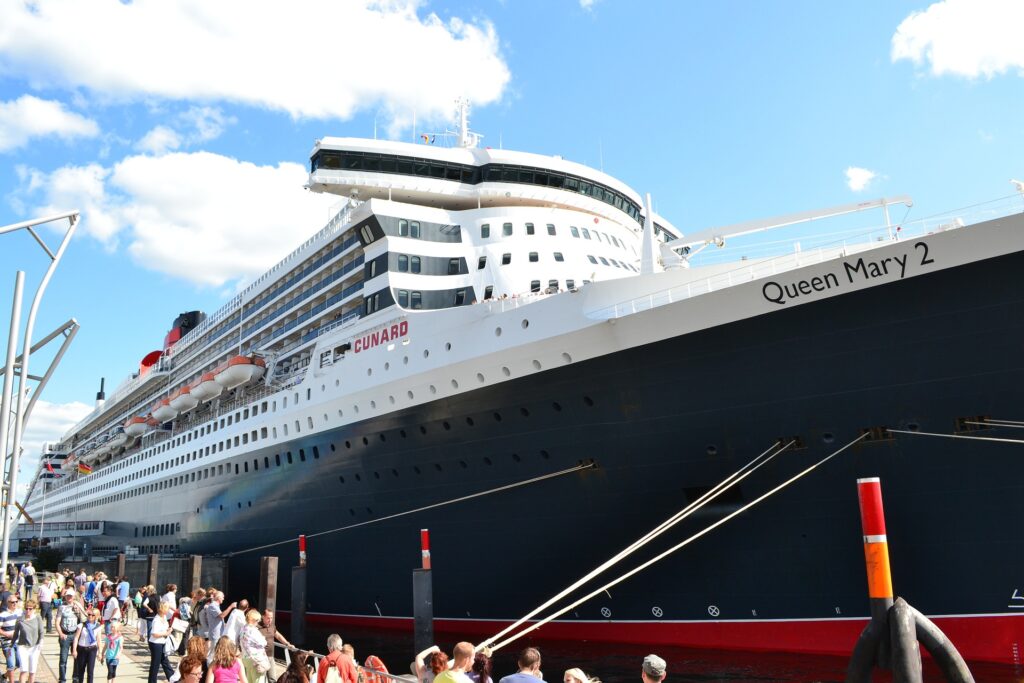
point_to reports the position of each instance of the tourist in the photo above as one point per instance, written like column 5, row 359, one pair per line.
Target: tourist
column 235, row 622
column 80, row 580
column 85, row 645
column 170, row 595
column 198, row 648
column 90, row 592
column 29, row 573
column 191, row 668
column 337, row 659
column 111, row 608
column 226, row 667
column 653, row 669
column 214, row 617
column 47, row 589
column 481, row 670
column 253, row 646
column 423, row 665
column 8, row 620
column 529, row 668
column 185, row 614
column 158, row 650
column 69, row 616
column 270, row 633
column 123, row 590
column 200, row 599
column 28, row 638
column 575, row 676
column 150, row 606
column 298, row 669
column 462, row 662
column 113, row 642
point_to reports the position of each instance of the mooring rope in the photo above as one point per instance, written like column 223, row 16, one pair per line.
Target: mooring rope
column 1009, row 422
column 997, row 423
column 499, row 489
column 676, row 547
column 956, row 436
column 677, row 517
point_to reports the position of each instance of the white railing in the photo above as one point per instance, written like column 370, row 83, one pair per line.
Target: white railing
column 748, row 271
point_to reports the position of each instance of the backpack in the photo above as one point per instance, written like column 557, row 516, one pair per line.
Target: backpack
column 197, row 609
column 333, row 675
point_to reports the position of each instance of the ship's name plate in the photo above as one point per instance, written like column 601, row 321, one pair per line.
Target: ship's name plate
column 848, row 272
column 381, row 336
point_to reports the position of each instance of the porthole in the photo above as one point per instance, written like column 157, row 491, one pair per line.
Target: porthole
column 366, row 442
column 455, row 384
column 369, row 371
column 323, row 388
column 437, row 466
column 387, row 366
column 416, row 469
column 426, row 353
column 394, row 472
column 405, row 360
column 536, row 364
column 545, row 455
column 337, row 382
column 497, row 417
column 505, row 371
column 913, row 426
column 373, row 405
column 409, row 394
column 487, row 461
column 567, row 358
column 352, row 512
column 516, row 458
column 497, row 331
column 391, row 399
column 588, row 402
column 383, row 437
column 525, row 323
column 341, row 479
column 463, row 464
column 557, row 406
column 402, row 433
column 524, row 412
column 480, row 377
column 359, row 477
column 333, row 449
column 712, row 450
column 433, row 389
column 447, row 426
column 369, row 511
column 828, row 437
column 423, row 430
column 376, row 475
column 348, row 444
column 469, row 421
column 355, row 409
column 447, row 346
column 340, row 414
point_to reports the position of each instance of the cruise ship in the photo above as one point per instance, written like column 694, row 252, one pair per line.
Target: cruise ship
column 477, row 318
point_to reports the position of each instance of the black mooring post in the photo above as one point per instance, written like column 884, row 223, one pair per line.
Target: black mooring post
column 906, row 653
column 423, row 598
column 298, row 605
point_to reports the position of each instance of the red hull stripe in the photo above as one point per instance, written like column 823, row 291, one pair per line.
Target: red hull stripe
column 985, row 638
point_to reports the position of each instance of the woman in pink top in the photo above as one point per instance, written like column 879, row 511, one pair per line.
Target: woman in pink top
column 226, row 667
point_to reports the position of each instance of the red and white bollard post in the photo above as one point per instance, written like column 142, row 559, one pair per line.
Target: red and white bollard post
column 423, row 598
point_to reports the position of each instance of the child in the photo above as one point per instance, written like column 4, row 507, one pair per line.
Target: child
column 112, row 643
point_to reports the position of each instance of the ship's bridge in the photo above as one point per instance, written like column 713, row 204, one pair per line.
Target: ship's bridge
column 56, row 530
column 466, row 178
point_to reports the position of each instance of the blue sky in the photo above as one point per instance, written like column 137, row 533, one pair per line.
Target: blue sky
column 182, row 129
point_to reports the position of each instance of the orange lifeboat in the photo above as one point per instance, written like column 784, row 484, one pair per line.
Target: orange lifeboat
column 182, row 400
column 206, row 388
column 163, row 411
column 240, row 370
column 135, row 426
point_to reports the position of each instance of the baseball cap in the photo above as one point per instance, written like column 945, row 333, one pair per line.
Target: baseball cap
column 654, row 666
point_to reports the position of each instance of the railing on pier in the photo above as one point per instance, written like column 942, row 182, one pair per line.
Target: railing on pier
column 317, row 657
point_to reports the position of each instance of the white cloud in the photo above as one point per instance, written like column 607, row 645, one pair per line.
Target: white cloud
column 30, row 117
column 587, row 4
column 858, row 179
column 968, row 38
column 47, row 424
column 208, row 122
column 159, row 140
column 316, row 59
column 198, row 217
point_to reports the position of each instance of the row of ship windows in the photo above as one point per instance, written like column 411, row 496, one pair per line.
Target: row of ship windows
column 507, row 230
column 534, row 257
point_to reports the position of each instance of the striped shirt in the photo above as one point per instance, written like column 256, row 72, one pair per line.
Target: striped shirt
column 8, row 618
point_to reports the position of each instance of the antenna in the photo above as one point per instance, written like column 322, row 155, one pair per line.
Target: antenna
column 467, row 138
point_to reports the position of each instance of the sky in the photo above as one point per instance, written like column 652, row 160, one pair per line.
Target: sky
column 182, row 129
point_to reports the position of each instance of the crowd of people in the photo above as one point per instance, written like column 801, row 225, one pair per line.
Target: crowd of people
column 92, row 615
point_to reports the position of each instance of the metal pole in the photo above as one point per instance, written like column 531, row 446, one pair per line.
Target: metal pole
column 423, row 598
column 5, row 401
column 23, row 375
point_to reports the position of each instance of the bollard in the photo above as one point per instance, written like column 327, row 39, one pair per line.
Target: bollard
column 120, row 564
column 154, row 563
column 268, row 584
column 946, row 657
column 298, row 605
column 876, row 560
column 423, row 598
column 906, row 653
column 195, row 572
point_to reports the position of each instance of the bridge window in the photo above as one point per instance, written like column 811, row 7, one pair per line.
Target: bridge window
column 414, row 230
column 403, row 298
column 506, row 259
column 403, row 263
column 415, row 264
column 533, row 257
column 485, row 230
column 559, row 257
column 403, row 228
column 529, row 228
column 551, row 228
column 416, row 299
column 506, row 229
column 481, row 263
column 574, row 231
column 453, row 266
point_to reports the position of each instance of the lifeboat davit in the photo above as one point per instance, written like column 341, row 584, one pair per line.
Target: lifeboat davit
column 183, row 401
column 239, row 370
column 152, row 422
column 135, row 426
column 206, row 388
column 163, row 411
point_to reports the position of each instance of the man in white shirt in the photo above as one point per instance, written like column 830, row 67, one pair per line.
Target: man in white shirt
column 28, row 573
column 47, row 589
column 235, row 621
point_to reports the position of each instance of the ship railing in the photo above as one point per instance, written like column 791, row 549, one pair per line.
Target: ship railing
column 317, row 658
column 839, row 245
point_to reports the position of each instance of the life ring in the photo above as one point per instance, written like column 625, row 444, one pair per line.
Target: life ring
column 374, row 663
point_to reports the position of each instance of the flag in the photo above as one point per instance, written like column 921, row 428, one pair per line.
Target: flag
column 426, row 138
column 49, row 467
column 84, row 469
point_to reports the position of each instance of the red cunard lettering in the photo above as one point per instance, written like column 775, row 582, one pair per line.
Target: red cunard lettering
column 368, row 341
